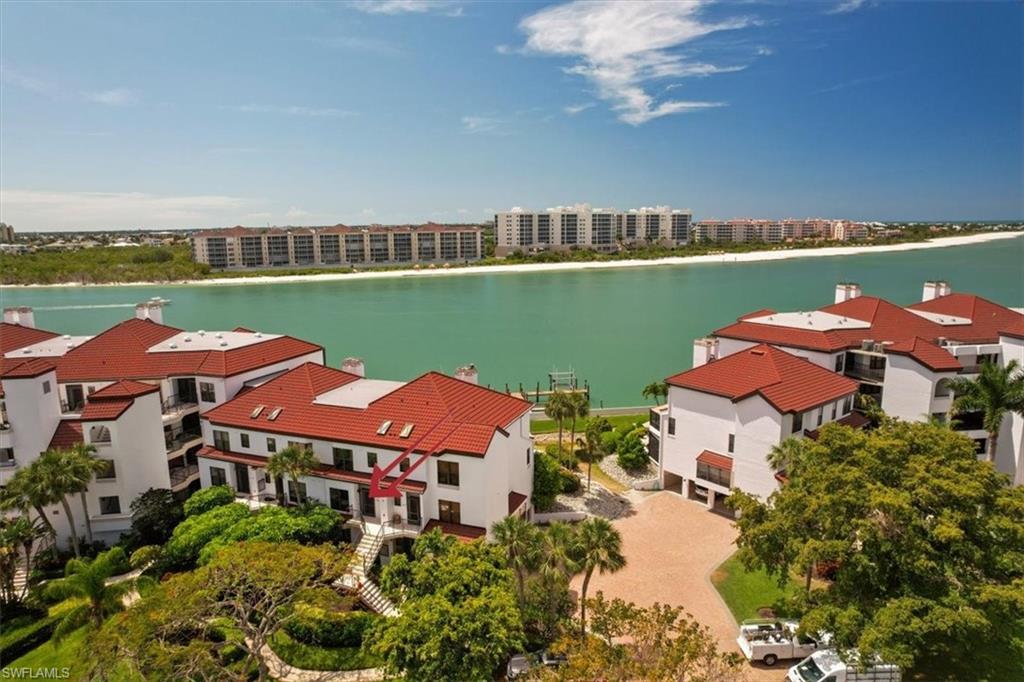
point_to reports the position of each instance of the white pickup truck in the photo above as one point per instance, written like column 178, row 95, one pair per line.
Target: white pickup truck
column 826, row 666
column 771, row 641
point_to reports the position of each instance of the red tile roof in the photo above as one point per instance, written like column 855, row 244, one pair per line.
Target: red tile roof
column 855, row 420
column 927, row 353
column 1015, row 329
column 124, row 388
column 466, row 415
column 24, row 369
column 459, row 530
column 15, row 336
column 121, row 352
column 987, row 318
column 67, row 433
column 515, row 501
column 324, row 470
column 714, row 459
column 104, row 410
column 789, row 383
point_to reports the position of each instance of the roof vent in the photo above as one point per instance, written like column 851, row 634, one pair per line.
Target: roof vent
column 274, row 414
column 187, row 339
column 218, row 335
column 27, row 351
column 259, row 335
column 757, row 352
column 67, row 337
column 223, row 343
column 406, row 430
column 70, row 345
column 201, row 332
column 255, row 413
column 172, row 345
column 383, row 430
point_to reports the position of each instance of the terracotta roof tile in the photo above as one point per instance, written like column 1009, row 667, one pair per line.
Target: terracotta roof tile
column 459, row 530
column 15, row 336
column 715, row 459
column 515, row 501
column 23, row 369
column 789, row 383
column 67, row 433
column 105, row 410
column 987, row 318
column 124, row 388
column 926, row 353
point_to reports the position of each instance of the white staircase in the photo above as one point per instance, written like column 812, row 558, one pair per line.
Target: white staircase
column 356, row 578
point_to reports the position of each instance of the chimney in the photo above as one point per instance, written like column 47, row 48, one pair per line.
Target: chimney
column 468, row 374
column 22, row 315
column 704, row 351
column 354, row 366
column 936, row 289
column 847, row 291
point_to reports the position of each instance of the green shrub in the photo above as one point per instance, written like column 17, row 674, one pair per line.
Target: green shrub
column 632, row 454
column 24, row 630
column 322, row 627
column 610, row 440
column 310, row 525
column 570, row 482
column 206, row 499
column 195, row 532
column 547, row 481
column 144, row 556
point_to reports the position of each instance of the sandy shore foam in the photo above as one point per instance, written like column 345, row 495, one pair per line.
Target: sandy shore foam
column 749, row 257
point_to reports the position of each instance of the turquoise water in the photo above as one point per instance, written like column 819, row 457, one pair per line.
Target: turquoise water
column 617, row 328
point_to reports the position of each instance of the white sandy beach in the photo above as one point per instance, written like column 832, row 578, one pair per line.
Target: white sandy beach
column 749, row 257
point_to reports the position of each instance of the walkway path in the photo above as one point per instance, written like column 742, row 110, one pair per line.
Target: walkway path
column 284, row 672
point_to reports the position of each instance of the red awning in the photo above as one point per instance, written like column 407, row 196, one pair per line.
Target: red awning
column 714, row 459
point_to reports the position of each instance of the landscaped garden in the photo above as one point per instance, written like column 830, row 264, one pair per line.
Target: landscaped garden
column 751, row 593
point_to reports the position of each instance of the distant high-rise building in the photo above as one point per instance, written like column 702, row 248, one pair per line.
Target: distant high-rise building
column 775, row 231
column 581, row 226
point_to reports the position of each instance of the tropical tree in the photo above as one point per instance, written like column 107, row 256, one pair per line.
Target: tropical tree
column 519, row 538
column 557, row 408
column 558, row 556
column 28, row 489
column 155, row 514
column 62, row 476
column 89, row 579
column 293, row 462
column 656, row 390
column 996, row 391
column 579, row 408
column 18, row 538
column 85, row 465
column 593, row 445
column 598, row 547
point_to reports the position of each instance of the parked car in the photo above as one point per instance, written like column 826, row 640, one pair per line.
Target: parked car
column 770, row 641
column 827, row 666
column 520, row 664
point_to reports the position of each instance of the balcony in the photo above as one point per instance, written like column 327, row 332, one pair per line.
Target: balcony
column 176, row 406
column 182, row 476
column 8, row 463
column 875, row 375
column 181, row 440
column 71, row 408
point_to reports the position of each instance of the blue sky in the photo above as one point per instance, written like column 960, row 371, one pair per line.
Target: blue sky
column 189, row 115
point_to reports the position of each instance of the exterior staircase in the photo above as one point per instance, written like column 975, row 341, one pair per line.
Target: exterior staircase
column 357, row 579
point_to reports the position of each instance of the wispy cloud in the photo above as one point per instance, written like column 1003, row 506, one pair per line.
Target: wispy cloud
column 292, row 110
column 296, row 212
column 484, row 125
column 116, row 97
column 764, row 51
column 574, row 109
column 445, row 7
column 620, row 46
column 58, row 210
column 860, row 81
column 847, row 6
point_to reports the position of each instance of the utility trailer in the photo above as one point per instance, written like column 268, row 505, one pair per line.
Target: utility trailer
column 770, row 641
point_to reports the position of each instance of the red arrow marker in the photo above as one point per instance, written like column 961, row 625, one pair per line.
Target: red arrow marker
column 377, row 477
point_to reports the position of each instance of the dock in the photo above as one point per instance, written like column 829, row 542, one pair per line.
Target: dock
column 558, row 381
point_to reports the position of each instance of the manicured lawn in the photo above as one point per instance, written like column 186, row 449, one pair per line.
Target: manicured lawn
column 746, row 591
column 51, row 655
column 538, row 426
column 313, row 657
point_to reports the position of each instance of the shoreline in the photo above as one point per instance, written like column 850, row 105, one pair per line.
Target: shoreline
column 517, row 268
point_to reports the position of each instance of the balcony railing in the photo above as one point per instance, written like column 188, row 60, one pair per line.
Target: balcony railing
column 180, row 439
column 8, row 463
column 866, row 373
column 181, row 474
column 176, row 403
column 71, row 408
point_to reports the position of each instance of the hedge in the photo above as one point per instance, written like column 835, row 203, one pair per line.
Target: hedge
column 23, row 633
column 206, row 499
column 315, row 625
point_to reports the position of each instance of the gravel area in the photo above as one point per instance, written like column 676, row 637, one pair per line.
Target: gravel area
column 610, row 466
column 599, row 502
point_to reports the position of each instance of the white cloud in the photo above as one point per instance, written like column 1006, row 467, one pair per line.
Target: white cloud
column 367, row 213
column 446, row 7
column 313, row 112
column 621, row 45
column 574, row 109
column 483, row 125
column 296, row 212
column 765, row 51
column 847, row 6
column 117, row 97
column 32, row 210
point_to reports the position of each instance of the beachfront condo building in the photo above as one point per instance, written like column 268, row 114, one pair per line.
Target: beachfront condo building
column 774, row 375
column 337, row 246
column 174, row 409
column 583, row 227
column 777, row 231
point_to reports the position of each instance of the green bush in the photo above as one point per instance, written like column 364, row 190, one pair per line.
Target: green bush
column 145, row 556
column 566, row 457
column 310, row 525
column 322, row 627
column 23, row 631
column 195, row 532
column 206, row 499
column 547, row 481
column 570, row 482
column 610, row 440
column 632, row 454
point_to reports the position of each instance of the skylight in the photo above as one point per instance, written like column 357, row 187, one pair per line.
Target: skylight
column 255, row 413
column 406, row 430
column 273, row 415
column 383, row 430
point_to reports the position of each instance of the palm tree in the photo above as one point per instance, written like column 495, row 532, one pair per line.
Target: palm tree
column 17, row 535
column 593, row 444
column 86, row 465
column 656, row 390
column 519, row 538
column 996, row 391
column 59, row 475
column 90, row 579
column 579, row 408
column 557, row 408
column 558, row 556
column 26, row 490
column 293, row 462
column 600, row 547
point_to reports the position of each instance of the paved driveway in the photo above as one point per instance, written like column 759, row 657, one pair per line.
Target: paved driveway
column 672, row 545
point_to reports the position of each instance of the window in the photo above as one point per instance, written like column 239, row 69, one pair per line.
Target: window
column 271, row 445
column 848, row 404
column 343, row 459
column 6, row 457
column 221, row 440
column 218, row 476
column 110, row 505
column 46, row 387
column 671, row 426
column 296, row 491
column 821, row 415
column 655, row 419
column 839, row 363
column 206, row 392
column 449, row 512
column 371, row 459
column 448, row 473
column 942, row 388
column 107, row 471
column 798, row 422
column 245, row 439
column 528, row 456
column 714, row 474
column 412, row 513
column 940, row 417
column 732, row 443
column 835, row 408
column 403, row 465
column 339, row 500
column 300, row 445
